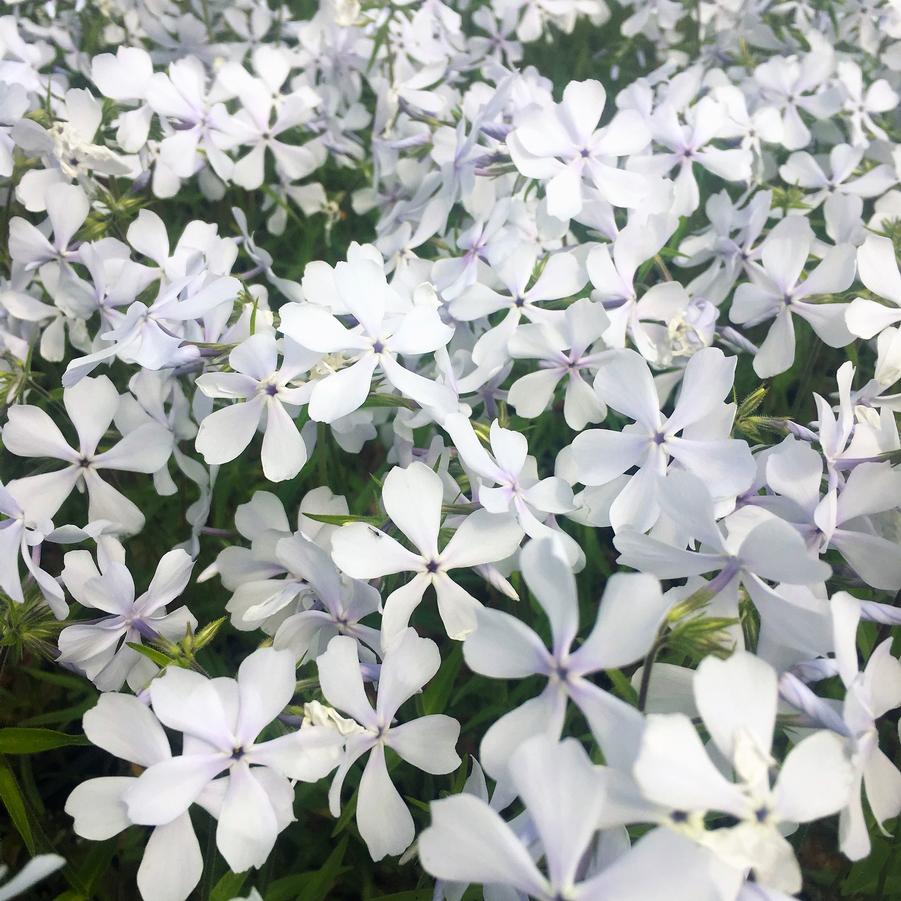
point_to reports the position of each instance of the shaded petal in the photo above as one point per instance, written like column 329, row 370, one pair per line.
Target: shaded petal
column 382, row 817
column 468, row 842
column 172, row 863
column 428, row 743
column 247, row 828
column 632, row 609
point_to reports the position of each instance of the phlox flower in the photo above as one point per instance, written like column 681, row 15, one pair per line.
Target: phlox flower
column 503, row 647
column 383, row 333
column 625, row 384
column 91, row 405
column 100, row 648
column 563, row 144
column 412, row 498
column 221, row 720
column 426, row 743
column 266, row 389
column 737, row 701
column 777, row 292
column 564, row 797
column 125, row 727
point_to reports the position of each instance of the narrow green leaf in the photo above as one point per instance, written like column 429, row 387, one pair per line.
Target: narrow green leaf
column 434, row 698
column 158, row 657
column 389, row 400
column 416, row 894
column 33, row 741
column 320, row 886
column 228, row 886
column 15, row 805
column 331, row 520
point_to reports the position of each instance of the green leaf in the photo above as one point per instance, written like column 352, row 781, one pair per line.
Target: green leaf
column 416, row 894
column 15, row 805
column 434, row 698
column 158, row 657
column 93, row 866
column 622, row 686
column 33, row 741
column 228, row 886
column 331, row 520
column 320, row 885
column 389, row 400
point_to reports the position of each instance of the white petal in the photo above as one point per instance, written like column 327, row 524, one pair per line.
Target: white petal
column 737, row 695
column 775, row 550
column 172, row 863
column 664, row 864
column 341, row 681
column 632, row 608
column 225, row 433
column 364, row 552
column 284, row 451
column 343, row 392
column 306, row 755
column 98, row 809
column 482, row 537
column 167, row 789
column 428, row 743
column 382, row 817
column 504, row 647
column 265, row 687
column 412, row 498
column 674, row 770
column 531, row 394
column 30, row 432
column 600, row 455
column 409, row 664
column 815, row 779
column 469, row 842
column 247, row 828
column 563, row 794
column 126, row 728
column 879, row 269
column 188, row 702
column 706, row 383
column 550, row 579
column 624, row 382
column 145, row 449
column 540, row 715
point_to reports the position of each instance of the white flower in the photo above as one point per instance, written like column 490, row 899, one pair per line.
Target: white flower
column 91, row 405
column 516, row 488
column 563, row 144
column 384, row 332
column 564, row 797
column 690, row 145
column 737, row 702
column 221, row 719
column 67, row 208
column 266, row 389
column 862, row 105
column 502, row 646
column 776, row 292
column 412, row 498
column 625, row 384
column 426, row 743
column 126, row 728
column 100, row 648
column 564, row 351
column 757, row 546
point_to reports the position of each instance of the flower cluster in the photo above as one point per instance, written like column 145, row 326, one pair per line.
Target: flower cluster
column 404, row 386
